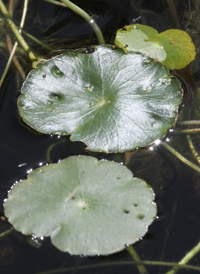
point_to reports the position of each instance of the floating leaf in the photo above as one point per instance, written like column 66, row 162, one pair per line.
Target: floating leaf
column 86, row 206
column 135, row 38
column 109, row 100
column 174, row 48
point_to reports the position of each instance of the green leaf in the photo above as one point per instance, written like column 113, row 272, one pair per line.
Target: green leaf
column 86, row 206
column 109, row 100
column 135, row 38
column 174, row 48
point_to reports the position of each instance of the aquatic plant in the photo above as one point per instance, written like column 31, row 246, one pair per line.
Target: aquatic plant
column 104, row 118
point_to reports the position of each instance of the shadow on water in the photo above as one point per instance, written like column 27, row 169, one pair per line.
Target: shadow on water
column 177, row 187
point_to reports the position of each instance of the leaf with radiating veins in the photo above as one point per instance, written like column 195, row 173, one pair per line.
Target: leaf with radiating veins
column 86, row 206
column 111, row 101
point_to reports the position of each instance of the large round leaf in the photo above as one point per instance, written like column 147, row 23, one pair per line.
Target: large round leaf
column 110, row 100
column 87, row 206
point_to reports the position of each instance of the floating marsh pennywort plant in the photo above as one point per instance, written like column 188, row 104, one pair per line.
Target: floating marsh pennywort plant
column 113, row 100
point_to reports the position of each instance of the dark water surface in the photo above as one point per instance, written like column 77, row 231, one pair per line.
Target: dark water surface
column 177, row 186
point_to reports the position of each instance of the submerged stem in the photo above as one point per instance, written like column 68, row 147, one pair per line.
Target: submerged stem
column 152, row 263
column 37, row 41
column 192, row 148
column 189, row 123
column 180, row 157
column 88, row 18
column 6, row 232
column 136, row 258
column 186, row 131
column 186, row 258
column 48, row 153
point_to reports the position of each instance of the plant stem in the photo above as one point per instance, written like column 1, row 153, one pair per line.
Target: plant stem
column 8, row 64
column 25, row 8
column 12, row 49
column 186, row 131
column 186, row 258
column 6, row 232
column 37, row 41
column 56, row 3
column 136, row 258
column 125, row 263
column 180, row 157
column 88, row 18
column 192, row 148
column 189, row 123
column 48, row 153
column 173, row 11
column 19, row 37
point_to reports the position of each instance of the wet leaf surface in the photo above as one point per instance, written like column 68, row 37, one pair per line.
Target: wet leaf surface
column 86, row 206
column 111, row 101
